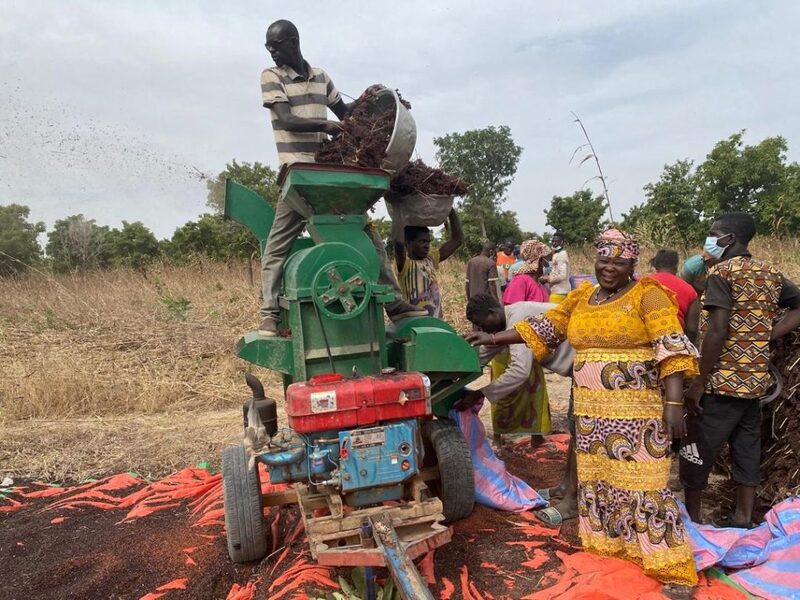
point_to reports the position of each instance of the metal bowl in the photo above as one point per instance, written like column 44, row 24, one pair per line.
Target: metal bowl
column 404, row 136
column 422, row 210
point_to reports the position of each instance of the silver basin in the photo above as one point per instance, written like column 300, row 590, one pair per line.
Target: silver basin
column 404, row 136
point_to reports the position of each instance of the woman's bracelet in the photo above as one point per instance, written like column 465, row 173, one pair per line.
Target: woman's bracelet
column 673, row 403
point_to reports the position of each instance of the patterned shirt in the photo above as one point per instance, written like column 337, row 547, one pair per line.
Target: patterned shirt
column 753, row 292
column 418, row 282
column 307, row 98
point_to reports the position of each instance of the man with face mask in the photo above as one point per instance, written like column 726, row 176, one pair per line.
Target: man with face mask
column 742, row 298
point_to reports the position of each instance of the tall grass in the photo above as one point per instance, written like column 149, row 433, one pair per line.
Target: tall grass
column 116, row 342
column 123, row 342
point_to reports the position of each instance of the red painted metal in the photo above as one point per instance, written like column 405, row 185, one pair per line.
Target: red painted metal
column 331, row 402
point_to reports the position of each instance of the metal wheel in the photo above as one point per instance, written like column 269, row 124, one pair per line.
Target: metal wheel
column 341, row 290
column 244, row 519
column 456, row 484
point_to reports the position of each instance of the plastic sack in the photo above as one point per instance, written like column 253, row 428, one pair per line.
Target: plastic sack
column 494, row 485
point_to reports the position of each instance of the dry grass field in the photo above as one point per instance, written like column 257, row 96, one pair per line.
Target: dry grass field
column 119, row 370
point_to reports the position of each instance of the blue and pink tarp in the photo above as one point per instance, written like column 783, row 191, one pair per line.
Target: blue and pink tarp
column 765, row 560
column 494, row 485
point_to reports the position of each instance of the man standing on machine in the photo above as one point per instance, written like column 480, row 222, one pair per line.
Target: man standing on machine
column 298, row 96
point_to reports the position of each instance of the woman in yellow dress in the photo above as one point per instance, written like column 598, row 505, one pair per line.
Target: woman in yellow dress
column 629, row 347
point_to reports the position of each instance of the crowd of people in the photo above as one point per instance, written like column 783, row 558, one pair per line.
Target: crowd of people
column 640, row 386
column 670, row 364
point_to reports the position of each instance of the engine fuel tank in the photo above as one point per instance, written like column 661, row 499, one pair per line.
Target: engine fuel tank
column 328, row 402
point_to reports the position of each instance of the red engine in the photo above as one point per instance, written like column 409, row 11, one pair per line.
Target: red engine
column 329, row 402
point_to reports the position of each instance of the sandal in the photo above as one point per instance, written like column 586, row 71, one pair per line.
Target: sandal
column 676, row 591
column 549, row 515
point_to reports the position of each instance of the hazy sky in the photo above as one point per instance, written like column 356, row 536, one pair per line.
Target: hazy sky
column 111, row 109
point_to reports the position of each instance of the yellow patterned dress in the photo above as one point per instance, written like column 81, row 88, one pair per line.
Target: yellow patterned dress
column 624, row 348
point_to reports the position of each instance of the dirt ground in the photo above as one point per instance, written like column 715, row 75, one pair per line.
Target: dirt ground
column 86, row 552
column 79, row 550
column 124, row 537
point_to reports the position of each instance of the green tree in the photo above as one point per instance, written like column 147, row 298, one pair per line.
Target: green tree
column 486, row 159
column 736, row 177
column 579, row 216
column 383, row 227
column 260, row 178
column 132, row 246
column 670, row 214
column 19, row 247
column 213, row 237
column 500, row 226
column 77, row 243
column 779, row 213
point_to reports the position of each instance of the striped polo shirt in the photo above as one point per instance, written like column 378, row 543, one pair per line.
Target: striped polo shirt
column 307, row 98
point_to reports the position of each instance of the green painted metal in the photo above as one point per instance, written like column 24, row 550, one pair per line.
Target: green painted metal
column 316, row 189
column 434, row 347
column 332, row 302
column 250, row 209
column 445, row 392
column 274, row 353
column 436, row 350
column 346, row 229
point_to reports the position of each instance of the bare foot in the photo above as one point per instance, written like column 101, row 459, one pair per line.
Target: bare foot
column 558, row 492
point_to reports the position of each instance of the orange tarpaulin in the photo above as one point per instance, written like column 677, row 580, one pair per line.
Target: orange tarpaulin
column 586, row 575
column 578, row 576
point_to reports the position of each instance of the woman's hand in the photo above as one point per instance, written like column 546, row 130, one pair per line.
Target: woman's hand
column 479, row 338
column 674, row 421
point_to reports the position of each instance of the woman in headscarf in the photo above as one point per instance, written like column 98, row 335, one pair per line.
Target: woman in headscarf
column 631, row 358
column 524, row 285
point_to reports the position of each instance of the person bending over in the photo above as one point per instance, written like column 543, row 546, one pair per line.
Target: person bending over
column 518, row 391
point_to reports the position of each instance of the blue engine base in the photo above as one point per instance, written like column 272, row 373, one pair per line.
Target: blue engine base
column 368, row 465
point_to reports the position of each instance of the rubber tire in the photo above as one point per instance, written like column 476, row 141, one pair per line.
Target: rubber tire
column 456, row 484
column 244, row 517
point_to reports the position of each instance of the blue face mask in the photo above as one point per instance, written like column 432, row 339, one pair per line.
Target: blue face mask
column 711, row 247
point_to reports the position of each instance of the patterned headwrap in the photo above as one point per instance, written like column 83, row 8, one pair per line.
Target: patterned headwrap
column 531, row 251
column 617, row 244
